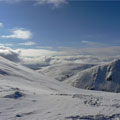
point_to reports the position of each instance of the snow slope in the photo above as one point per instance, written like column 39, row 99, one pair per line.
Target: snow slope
column 102, row 77
column 29, row 95
column 62, row 72
column 12, row 74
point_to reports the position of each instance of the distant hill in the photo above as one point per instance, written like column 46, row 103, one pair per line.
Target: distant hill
column 62, row 72
column 102, row 77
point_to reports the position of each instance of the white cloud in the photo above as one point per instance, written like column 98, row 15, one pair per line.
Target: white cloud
column 18, row 34
column 1, row 24
column 11, row 1
column 93, row 44
column 37, row 62
column 6, row 44
column 105, row 52
column 27, row 43
column 94, row 51
column 37, row 52
column 44, row 47
column 55, row 3
column 36, row 58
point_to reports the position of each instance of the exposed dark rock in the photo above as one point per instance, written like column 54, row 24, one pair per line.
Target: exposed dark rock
column 15, row 95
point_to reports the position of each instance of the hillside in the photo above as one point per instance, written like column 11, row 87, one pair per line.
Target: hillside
column 62, row 72
column 102, row 77
column 29, row 95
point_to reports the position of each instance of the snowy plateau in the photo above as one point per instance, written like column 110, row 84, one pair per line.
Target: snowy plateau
column 26, row 94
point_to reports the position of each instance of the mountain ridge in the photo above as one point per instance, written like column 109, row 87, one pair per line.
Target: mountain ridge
column 104, row 77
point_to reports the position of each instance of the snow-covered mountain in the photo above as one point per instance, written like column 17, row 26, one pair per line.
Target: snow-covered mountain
column 28, row 95
column 62, row 72
column 102, row 77
column 12, row 75
column 105, row 77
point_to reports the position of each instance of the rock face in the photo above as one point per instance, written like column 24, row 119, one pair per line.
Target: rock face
column 103, row 77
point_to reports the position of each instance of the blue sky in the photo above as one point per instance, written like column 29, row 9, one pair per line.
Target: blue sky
column 75, row 24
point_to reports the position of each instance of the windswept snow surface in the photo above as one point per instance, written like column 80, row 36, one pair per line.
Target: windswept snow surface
column 29, row 95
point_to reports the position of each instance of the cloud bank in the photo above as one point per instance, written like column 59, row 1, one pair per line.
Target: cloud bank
column 37, row 58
